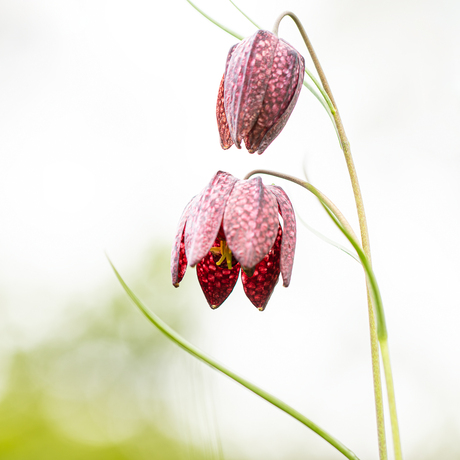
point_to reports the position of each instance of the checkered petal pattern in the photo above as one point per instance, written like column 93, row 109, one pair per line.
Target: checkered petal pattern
column 259, row 287
column 201, row 230
column 260, row 88
column 217, row 281
column 243, row 215
column 250, row 222
column 289, row 232
column 178, row 257
column 224, row 132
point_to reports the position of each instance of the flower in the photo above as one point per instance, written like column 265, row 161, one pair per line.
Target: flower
column 234, row 224
column 260, row 87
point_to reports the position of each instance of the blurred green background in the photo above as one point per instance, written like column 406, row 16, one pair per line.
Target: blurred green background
column 96, row 387
column 100, row 385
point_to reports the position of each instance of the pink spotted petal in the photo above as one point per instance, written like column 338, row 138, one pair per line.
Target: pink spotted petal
column 201, row 230
column 289, row 232
column 273, row 132
column 280, row 91
column 260, row 285
column 178, row 257
column 216, row 281
column 224, row 131
column 246, row 80
column 250, row 221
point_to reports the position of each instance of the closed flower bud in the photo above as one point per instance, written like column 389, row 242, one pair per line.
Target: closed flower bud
column 260, row 87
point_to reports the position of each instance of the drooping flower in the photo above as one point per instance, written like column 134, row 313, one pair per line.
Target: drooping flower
column 260, row 87
column 231, row 225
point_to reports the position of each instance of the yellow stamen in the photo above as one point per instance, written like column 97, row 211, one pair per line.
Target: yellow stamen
column 226, row 253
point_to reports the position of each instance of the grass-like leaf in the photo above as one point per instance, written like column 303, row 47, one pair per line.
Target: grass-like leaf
column 202, row 356
column 326, row 239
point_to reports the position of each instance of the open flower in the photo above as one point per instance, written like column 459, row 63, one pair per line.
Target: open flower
column 260, row 87
column 234, row 224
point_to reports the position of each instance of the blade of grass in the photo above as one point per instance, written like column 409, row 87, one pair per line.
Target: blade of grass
column 327, row 240
column 218, row 24
column 202, row 356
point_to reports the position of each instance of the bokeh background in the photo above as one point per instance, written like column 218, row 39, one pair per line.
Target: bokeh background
column 108, row 129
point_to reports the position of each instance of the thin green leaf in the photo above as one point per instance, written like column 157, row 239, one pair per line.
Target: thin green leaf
column 245, row 15
column 382, row 332
column 328, row 240
column 202, row 356
column 218, row 24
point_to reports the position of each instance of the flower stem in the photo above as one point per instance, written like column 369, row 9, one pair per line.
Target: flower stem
column 364, row 236
column 391, row 398
column 202, row 356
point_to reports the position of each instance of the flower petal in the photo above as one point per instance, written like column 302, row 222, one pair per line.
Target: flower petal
column 201, row 230
column 246, row 79
column 178, row 257
column 279, row 125
column 250, row 221
column 224, row 131
column 216, row 281
column 289, row 232
column 281, row 88
column 222, row 124
column 260, row 285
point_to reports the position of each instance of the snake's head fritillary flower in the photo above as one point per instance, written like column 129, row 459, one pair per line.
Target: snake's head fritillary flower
column 234, row 225
column 260, row 87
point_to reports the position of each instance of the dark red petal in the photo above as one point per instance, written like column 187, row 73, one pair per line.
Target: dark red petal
column 216, row 281
column 250, row 221
column 279, row 125
column 246, row 79
column 201, row 229
column 260, row 285
column 224, row 132
column 278, row 95
column 178, row 257
column 289, row 232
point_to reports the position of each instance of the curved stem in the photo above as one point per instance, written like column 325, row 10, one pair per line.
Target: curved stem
column 364, row 234
column 346, row 229
column 323, row 198
column 202, row 356
column 325, row 87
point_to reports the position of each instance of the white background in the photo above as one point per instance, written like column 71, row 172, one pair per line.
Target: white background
column 107, row 128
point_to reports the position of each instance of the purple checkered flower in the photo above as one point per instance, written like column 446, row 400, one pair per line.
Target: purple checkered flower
column 231, row 225
column 260, row 87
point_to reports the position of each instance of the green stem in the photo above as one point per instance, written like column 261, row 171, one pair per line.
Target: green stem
column 373, row 292
column 391, row 398
column 347, row 230
column 202, row 356
column 364, row 235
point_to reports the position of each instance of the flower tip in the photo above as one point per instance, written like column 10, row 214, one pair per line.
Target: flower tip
column 261, row 308
column 213, row 307
column 249, row 271
column 176, row 285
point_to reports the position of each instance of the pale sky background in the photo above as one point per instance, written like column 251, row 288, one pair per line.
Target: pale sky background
column 107, row 117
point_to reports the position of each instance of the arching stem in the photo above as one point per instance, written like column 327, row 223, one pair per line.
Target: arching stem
column 363, row 230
